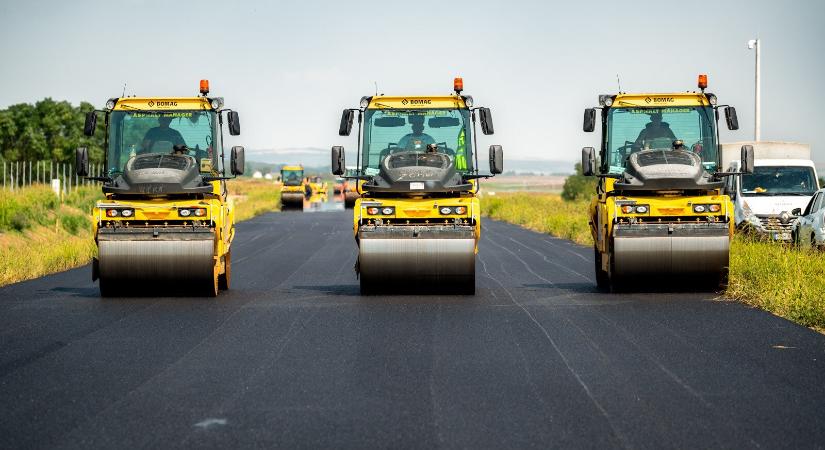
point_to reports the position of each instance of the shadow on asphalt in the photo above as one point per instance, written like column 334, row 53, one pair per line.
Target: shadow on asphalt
column 572, row 287
column 78, row 292
column 332, row 289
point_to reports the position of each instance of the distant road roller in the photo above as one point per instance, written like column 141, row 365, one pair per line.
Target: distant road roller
column 417, row 220
column 659, row 208
column 166, row 222
column 295, row 188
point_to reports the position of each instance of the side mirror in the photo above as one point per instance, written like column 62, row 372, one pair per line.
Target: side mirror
column 234, row 125
column 338, row 160
column 82, row 161
column 796, row 211
column 731, row 119
column 747, row 159
column 91, row 123
column 589, row 120
column 496, row 159
column 346, row 122
column 236, row 160
column 486, row 121
column 588, row 161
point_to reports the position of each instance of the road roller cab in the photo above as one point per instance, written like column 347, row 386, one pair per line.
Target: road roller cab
column 659, row 208
column 166, row 222
column 417, row 217
column 294, row 189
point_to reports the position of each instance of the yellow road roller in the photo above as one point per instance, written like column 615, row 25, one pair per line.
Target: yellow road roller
column 294, row 188
column 417, row 220
column 659, row 211
column 166, row 223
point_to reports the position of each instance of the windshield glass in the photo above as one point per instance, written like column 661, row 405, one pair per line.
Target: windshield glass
column 630, row 130
column 779, row 180
column 393, row 131
column 134, row 133
column 292, row 177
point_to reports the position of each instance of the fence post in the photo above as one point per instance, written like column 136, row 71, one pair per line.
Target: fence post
column 30, row 173
column 4, row 175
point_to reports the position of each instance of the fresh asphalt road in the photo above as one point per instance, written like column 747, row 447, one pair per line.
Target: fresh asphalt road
column 292, row 357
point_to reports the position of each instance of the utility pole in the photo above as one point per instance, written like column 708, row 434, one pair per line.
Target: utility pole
column 756, row 44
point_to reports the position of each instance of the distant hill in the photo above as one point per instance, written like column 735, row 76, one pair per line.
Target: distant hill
column 318, row 160
column 308, row 156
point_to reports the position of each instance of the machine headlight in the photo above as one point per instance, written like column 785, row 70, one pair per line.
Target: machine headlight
column 372, row 211
column 120, row 212
column 608, row 101
column 698, row 208
column 641, row 209
column 468, row 100
column 445, row 210
column 111, row 103
column 627, row 209
column 216, row 103
column 187, row 212
column 365, row 101
column 714, row 208
column 460, row 209
column 387, row 211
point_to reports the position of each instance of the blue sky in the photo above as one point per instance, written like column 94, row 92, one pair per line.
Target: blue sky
column 289, row 67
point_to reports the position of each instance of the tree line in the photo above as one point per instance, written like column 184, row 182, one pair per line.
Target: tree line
column 47, row 130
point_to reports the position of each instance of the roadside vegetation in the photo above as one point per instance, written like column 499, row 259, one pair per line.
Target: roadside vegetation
column 42, row 234
column 778, row 278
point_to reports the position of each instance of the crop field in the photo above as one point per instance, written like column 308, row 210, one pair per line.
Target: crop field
column 778, row 278
column 41, row 233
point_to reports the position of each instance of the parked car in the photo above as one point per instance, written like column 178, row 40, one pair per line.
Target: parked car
column 809, row 230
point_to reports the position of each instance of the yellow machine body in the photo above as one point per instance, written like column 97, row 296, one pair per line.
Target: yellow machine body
column 293, row 193
column 409, row 239
column 162, row 241
column 641, row 235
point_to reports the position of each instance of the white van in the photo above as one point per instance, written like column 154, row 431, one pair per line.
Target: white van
column 765, row 199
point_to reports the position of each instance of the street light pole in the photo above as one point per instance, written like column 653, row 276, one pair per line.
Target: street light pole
column 756, row 44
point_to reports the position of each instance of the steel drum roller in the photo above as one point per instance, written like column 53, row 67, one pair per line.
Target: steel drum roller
column 167, row 256
column 671, row 249
column 426, row 257
column 292, row 199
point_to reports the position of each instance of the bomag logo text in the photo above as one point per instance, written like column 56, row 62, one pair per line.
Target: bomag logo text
column 161, row 104
column 417, row 101
column 663, row 99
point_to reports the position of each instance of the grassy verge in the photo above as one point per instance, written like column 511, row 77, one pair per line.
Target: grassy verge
column 778, row 278
column 253, row 197
column 41, row 234
column 546, row 213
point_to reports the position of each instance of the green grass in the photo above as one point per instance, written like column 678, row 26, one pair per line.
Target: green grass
column 778, row 278
column 253, row 197
column 546, row 213
column 41, row 234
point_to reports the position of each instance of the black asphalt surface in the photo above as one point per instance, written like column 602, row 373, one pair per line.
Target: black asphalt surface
column 293, row 357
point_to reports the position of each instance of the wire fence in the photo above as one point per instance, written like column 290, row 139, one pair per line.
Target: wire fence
column 61, row 176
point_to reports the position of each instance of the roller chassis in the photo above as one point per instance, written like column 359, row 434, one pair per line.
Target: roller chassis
column 644, row 251
column 140, row 254
column 424, row 256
